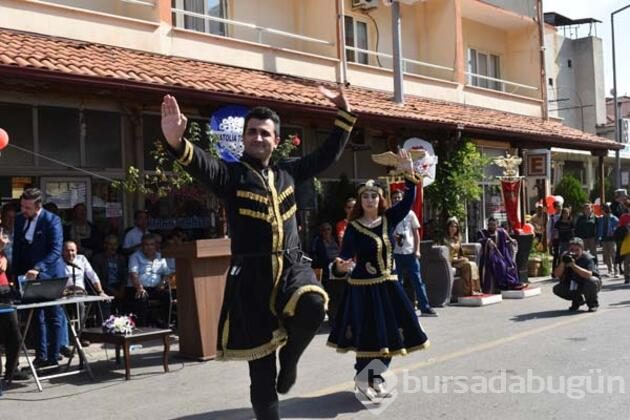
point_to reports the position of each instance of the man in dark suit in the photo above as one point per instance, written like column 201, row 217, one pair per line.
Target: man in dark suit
column 37, row 245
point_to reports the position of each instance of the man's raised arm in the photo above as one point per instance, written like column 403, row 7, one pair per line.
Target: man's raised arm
column 329, row 152
column 212, row 172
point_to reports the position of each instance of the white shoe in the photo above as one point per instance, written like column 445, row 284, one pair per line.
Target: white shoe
column 367, row 391
column 380, row 391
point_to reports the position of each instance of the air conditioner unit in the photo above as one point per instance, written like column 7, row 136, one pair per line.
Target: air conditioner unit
column 364, row 4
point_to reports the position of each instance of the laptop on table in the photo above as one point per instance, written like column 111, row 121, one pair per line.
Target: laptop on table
column 43, row 290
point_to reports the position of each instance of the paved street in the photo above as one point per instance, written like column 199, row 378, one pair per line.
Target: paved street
column 511, row 337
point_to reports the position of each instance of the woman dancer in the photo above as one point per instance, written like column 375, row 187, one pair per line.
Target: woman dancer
column 375, row 319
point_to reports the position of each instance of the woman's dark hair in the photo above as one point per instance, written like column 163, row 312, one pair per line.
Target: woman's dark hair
column 448, row 227
column 357, row 211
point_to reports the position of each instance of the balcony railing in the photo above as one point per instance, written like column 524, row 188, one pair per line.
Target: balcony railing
column 140, row 2
column 260, row 30
column 500, row 84
column 409, row 65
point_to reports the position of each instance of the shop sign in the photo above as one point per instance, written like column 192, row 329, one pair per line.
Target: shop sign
column 227, row 123
column 538, row 163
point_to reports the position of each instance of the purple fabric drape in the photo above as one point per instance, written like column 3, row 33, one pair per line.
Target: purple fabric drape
column 498, row 269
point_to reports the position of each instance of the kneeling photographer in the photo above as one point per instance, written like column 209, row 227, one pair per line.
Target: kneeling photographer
column 578, row 276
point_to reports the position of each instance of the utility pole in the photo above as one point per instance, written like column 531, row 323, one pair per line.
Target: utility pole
column 617, row 117
column 399, row 95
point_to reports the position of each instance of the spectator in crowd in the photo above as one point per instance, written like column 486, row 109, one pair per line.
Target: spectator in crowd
column 586, row 229
column 10, row 334
column 538, row 221
column 8, row 221
column 78, row 269
column 606, row 226
column 111, row 268
column 578, row 277
column 407, row 256
column 341, row 226
column 467, row 269
column 147, row 276
column 83, row 232
column 623, row 239
column 133, row 237
column 325, row 251
column 552, row 232
column 52, row 207
column 617, row 207
column 565, row 231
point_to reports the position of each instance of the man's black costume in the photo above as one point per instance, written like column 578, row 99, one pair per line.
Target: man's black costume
column 272, row 297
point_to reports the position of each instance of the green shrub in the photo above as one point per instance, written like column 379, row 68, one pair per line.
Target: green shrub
column 571, row 190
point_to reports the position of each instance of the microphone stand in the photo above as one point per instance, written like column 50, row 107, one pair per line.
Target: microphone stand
column 74, row 280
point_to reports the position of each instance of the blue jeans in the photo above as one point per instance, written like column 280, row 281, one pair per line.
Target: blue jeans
column 50, row 326
column 64, row 338
column 408, row 267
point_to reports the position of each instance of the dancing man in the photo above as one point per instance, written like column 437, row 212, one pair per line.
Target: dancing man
column 272, row 298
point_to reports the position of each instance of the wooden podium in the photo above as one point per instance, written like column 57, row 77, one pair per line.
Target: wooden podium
column 201, row 271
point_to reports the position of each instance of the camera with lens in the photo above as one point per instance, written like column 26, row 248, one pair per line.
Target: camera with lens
column 569, row 257
column 400, row 238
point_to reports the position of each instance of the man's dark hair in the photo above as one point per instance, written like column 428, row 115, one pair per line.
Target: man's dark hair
column 492, row 219
column 148, row 237
column 138, row 213
column 32, row 194
column 263, row 113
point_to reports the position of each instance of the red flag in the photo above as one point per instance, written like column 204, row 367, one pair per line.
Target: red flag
column 511, row 191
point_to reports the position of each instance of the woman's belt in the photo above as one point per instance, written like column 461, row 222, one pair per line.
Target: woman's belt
column 373, row 280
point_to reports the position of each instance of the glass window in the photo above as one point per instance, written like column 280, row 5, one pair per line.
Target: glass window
column 11, row 187
column 59, row 136
column 66, row 193
column 362, row 41
column 216, row 8
column 151, row 131
column 357, row 37
column 102, row 139
column 107, row 213
column 17, row 121
column 483, row 64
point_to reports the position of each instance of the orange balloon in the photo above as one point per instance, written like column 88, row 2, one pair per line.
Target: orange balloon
column 4, row 139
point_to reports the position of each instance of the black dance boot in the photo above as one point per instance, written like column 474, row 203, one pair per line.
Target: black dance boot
column 268, row 411
column 301, row 329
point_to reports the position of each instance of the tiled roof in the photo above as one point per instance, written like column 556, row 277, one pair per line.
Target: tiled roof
column 45, row 55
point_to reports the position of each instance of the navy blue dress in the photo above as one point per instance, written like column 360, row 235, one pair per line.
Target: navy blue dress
column 375, row 317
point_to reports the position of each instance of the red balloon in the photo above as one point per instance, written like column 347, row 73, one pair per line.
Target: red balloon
column 4, row 139
column 549, row 200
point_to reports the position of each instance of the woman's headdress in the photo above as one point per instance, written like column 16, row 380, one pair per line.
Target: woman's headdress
column 370, row 185
column 452, row 220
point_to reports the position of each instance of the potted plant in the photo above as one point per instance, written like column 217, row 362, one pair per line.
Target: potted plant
column 538, row 262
